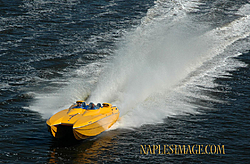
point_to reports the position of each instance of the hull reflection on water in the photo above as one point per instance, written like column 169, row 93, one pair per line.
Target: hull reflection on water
column 85, row 151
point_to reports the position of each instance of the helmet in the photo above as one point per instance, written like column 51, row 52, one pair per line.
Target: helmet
column 79, row 101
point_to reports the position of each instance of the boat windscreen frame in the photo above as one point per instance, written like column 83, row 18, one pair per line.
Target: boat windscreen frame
column 71, row 107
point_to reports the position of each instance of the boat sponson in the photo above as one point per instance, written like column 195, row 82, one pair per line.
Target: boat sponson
column 96, row 126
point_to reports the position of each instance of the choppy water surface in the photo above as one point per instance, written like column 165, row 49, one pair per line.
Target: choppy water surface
column 177, row 70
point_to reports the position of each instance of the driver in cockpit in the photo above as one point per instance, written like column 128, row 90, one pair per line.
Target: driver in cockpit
column 80, row 104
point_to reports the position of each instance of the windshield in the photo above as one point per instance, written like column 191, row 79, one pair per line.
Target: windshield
column 72, row 106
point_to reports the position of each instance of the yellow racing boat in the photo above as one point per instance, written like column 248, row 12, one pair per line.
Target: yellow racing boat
column 83, row 120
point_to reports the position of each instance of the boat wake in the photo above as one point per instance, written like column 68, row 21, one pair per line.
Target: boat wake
column 163, row 62
column 158, row 67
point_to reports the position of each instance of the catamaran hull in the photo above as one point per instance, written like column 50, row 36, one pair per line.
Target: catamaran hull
column 82, row 124
column 95, row 128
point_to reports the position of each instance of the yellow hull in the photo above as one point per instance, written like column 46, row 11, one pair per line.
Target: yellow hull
column 83, row 123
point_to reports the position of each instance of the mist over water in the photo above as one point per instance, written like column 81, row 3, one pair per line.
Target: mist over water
column 148, row 64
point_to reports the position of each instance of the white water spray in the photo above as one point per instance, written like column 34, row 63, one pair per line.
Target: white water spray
column 145, row 79
column 154, row 59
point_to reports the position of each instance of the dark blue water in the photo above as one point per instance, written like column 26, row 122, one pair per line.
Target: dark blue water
column 55, row 52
